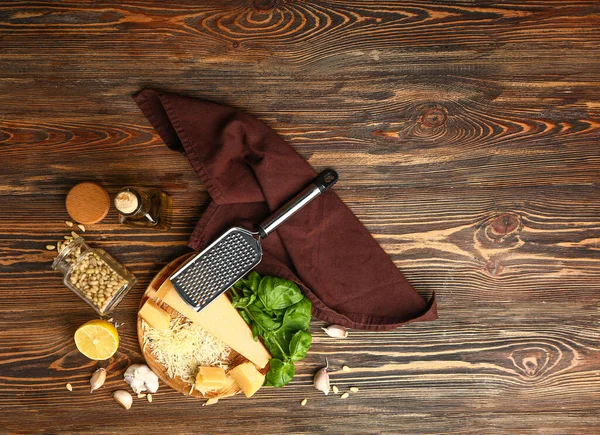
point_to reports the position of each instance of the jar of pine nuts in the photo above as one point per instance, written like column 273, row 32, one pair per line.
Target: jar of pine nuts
column 93, row 275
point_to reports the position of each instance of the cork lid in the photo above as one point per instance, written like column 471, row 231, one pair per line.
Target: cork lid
column 88, row 203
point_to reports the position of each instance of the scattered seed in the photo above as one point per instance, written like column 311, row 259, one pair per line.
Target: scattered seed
column 141, row 395
column 69, row 387
column 346, row 368
column 81, row 227
column 344, row 396
column 74, row 234
column 69, row 223
column 303, row 402
column 354, row 389
column 67, row 237
column 50, row 247
column 335, row 389
column 149, row 398
column 211, row 401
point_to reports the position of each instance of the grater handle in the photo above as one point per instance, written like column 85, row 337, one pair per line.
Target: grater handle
column 323, row 182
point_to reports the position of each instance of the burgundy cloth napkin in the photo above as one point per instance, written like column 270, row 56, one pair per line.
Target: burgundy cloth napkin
column 250, row 171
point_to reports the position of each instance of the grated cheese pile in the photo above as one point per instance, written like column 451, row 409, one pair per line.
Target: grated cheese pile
column 184, row 347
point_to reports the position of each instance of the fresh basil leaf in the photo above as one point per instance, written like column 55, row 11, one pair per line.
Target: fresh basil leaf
column 280, row 312
column 299, row 345
column 278, row 315
column 245, row 317
column 277, row 293
column 255, row 331
column 247, row 292
column 263, row 319
column 241, row 283
column 243, row 302
column 280, row 373
column 285, row 336
column 278, row 340
column 297, row 317
column 271, row 345
column 234, row 297
column 253, row 281
column 258, row 304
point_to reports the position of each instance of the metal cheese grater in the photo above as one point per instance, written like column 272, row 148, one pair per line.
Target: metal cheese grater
column 237, row 251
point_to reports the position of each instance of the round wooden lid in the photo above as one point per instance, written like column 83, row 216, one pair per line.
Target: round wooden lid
column 88, row 203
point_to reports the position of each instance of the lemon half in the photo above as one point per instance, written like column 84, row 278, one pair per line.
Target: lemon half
column 97, row 339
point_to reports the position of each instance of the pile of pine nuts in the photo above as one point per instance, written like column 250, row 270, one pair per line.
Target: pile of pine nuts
column 96, row 279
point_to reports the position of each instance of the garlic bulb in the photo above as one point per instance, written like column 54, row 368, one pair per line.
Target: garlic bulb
column 123, row 398
column 141, row 378
column 321, row 380
column 97, row 379
column 336, row 331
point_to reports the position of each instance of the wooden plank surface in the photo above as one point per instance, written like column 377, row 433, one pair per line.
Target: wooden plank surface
column 467, row 138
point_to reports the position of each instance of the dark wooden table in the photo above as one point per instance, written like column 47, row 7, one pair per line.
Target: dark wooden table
column 467, row 138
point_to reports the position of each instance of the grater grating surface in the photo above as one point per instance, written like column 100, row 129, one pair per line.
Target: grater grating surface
column 218, row 267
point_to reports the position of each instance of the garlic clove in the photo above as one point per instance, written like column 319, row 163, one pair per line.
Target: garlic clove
column 97, row 379
column 336, row 331
column 123, row 398
column 321, row 381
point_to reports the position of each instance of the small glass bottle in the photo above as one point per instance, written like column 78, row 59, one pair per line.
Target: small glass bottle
column 93, row 275
column 144, row 207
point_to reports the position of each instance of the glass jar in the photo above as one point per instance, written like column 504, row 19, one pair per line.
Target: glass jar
column 93, row 275
column 144, row 207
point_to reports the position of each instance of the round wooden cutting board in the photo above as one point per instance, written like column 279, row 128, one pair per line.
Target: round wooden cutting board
column 232, row 360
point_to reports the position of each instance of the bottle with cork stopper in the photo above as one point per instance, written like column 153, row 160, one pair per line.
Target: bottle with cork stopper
column 144, row 207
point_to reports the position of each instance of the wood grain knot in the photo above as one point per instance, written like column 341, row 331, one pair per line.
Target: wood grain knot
column 76, row 136
column 264, row 5
column 498, row 232
column 4, row 136
column 262, row 21
column 433, row 117
column 494, row 267
column 428, row 121
column 537, row 361
column 505, row 224
column 72, row 361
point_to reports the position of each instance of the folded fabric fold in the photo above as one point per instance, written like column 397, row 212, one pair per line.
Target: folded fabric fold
column 249, row 172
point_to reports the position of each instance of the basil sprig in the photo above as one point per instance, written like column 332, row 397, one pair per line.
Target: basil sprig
column 279, row 313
